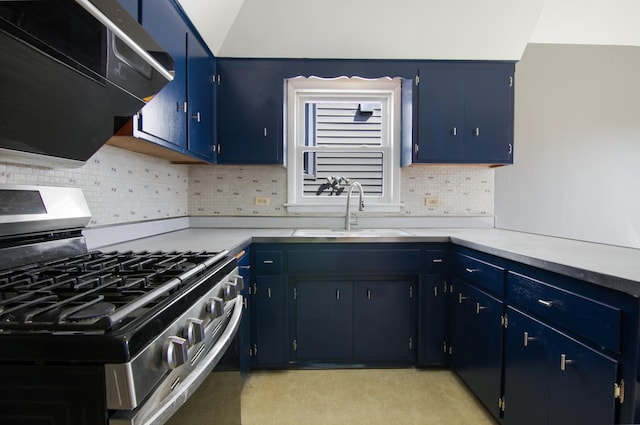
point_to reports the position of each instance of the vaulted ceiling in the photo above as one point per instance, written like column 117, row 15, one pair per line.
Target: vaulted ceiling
column 408, row 29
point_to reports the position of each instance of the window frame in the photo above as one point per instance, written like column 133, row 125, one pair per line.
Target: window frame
column 303, row 90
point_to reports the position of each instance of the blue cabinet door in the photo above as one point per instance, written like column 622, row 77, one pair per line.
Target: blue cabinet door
column 324, row 321
column 581, row 385
column 250, row 116
column 201, row 94
column 244, row 334
column 485, row 370
column 384, row 321
column 550, row 378
column 477, row 343
column 163, row 119
column 488, row 115
column 440, row 115
column 461, row 342
column 526, row 375
column 434, row 336
column 465, row 114
column 270, row 319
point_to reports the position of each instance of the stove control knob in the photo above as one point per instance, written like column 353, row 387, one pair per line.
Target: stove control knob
column 239, row 281
column 230, row 291
column 174, row 353
column 215, row 307
column 194, row 331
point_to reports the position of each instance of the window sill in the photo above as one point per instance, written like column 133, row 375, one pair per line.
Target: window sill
column 341, row 208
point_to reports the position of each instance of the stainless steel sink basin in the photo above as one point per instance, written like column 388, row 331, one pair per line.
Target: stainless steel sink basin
column 353, row 233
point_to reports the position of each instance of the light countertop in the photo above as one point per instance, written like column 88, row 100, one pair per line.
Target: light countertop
column 606, row 265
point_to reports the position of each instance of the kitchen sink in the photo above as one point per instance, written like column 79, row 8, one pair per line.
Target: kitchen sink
column 353, row 233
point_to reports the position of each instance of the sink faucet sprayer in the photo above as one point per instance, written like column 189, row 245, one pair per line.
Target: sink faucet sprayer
column 347, row 217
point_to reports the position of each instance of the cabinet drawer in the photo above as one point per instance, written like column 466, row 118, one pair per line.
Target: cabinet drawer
column 482, row 274
column 269, row 262
column 436, row 260
column 586, row 317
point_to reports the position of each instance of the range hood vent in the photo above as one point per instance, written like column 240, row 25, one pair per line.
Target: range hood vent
column 70, row 78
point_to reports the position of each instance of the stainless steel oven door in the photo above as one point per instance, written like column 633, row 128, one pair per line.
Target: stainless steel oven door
column 158, row 410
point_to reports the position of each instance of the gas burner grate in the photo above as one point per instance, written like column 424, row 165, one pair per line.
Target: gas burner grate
column 94, row 291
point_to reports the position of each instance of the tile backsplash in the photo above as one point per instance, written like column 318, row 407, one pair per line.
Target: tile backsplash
column 122, row 186
column 119, row 186
column 232, row 190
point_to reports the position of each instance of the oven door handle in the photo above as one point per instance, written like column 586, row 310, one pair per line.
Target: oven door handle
column 157, row 413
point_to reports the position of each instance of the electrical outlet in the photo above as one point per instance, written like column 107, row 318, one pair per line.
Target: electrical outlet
column 432, row 202
column 262, row 201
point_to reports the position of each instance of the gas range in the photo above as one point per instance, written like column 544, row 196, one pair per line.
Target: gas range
column 148, row 327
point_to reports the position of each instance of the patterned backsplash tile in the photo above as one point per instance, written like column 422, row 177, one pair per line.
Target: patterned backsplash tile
column 232, row 191
column 122, row 186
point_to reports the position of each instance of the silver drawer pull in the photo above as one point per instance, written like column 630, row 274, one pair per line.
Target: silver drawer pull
column 479, row 307
column 471, row 270
column 267, row 262
column 437, row 260
column 546, row 303
column 564, row 361
column 461, row 298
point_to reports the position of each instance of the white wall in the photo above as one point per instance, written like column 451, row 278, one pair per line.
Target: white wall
column 577, row 145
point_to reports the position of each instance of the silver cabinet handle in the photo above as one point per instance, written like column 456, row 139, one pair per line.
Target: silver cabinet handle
column 454, row 131
column 546, row 303
column 479, row 308
column 337, row 294
column 461, row 298
column 468, row 270
column 196, row 117
column 437, row 260
column 528, row 339
column 269, row 292
column 267, row 262
column 564, row 361
column 368, row 294
column 476, row 131
column 265, row 132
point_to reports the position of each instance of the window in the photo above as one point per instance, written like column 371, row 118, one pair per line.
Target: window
column 340, row 131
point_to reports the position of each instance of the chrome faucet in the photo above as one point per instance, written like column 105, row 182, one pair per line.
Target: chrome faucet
column 347, row 217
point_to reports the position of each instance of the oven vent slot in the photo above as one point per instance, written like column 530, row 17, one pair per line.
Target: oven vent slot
column 198, row 355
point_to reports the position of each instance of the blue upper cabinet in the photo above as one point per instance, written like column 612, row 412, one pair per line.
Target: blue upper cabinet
column 163, row 119
column 181, row 117
column 250, row 95
column 464, row 113
column 201, row 91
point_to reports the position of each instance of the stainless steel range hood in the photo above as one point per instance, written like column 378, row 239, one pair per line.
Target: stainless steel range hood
column 71, row 73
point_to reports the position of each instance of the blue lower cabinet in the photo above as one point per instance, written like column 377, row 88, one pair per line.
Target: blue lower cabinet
column 244, row 333
column 526, row 371
column 324, row 321
column 476, row 347
column 551, row 378
column 384, row 321
column 434, row 344
column 348, row 322
column 270, row 320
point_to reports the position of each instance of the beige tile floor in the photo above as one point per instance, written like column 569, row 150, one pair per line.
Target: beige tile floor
column 359, row 396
